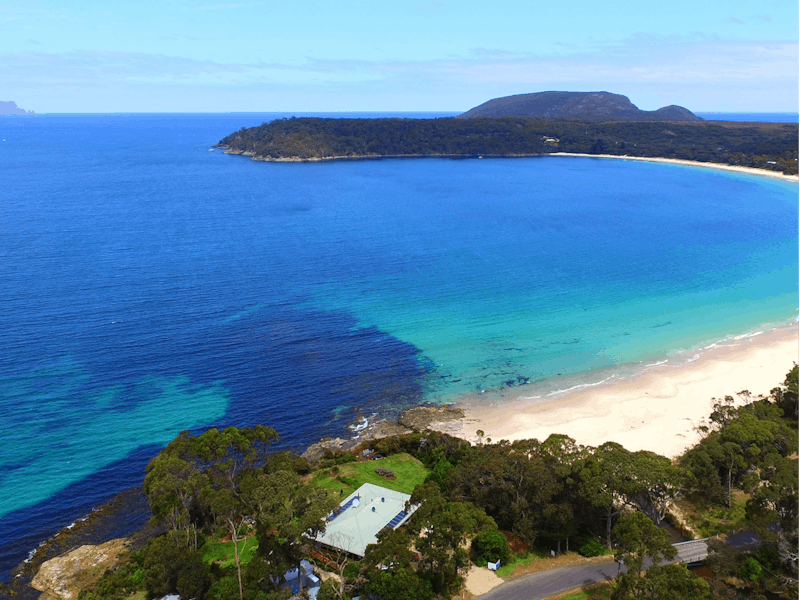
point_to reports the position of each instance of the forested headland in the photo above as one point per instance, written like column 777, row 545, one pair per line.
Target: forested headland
column 230, row 517
column 770, row 146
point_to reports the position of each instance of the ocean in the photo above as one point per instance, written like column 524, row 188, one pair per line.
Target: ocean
column 149, row 285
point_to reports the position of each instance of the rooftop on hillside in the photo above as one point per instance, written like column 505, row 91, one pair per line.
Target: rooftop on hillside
column 362, row 515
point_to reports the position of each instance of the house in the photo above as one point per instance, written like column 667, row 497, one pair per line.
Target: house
column 304, row 575
column 361, row 516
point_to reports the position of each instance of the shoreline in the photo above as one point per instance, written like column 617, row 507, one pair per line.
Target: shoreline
column 672, row 161
column 690, row 163
column 654, row 410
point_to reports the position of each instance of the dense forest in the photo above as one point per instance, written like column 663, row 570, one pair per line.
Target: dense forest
column 772, row 146
column 230, row 517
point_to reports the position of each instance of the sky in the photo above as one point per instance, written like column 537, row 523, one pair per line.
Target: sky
column 393, row 55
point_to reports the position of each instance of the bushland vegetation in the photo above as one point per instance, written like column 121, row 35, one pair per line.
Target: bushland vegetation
column 234, row 516
column 772, row 146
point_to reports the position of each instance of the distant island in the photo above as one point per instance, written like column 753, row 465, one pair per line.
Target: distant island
column 586, row 106
column 10, row 108
column 596, row 123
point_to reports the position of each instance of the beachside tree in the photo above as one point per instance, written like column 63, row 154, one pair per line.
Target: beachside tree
column 440, row 529
column 662, row 582
column 291, row 513
column 638, row 539
column 786, row 397
column 388, row 571
column 172, row 486
column 654, row 483
column 605, row 478
column 750, row 437
column 223, row 457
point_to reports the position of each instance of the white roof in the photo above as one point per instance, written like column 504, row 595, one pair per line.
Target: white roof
column 362, row 515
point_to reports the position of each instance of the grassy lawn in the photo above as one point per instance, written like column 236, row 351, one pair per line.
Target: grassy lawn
column 600, row 592
column 519, row 560
column 409, row 473
column 223, row 552
column 711, row 519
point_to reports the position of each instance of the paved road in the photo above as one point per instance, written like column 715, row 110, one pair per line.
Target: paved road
column 539, row 586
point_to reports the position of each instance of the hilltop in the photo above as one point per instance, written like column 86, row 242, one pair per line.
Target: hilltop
column 586, row 106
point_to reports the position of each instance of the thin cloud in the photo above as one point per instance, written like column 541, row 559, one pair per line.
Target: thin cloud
column 224, row 6
column 734, row 21
column 493, row 53
column 698, row 63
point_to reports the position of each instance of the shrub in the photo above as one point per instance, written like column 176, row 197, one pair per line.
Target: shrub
column 490, row 546
column 345, row 458
column 351, row 571
column 327, row 591
column 591, row 548
column 751, row 569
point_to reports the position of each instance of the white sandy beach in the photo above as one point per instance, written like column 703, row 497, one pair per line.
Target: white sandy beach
column 656, row 410
column 691, row 163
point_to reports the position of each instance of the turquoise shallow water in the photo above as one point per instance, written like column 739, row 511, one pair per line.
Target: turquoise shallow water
column 549, row 272
column 149, row 286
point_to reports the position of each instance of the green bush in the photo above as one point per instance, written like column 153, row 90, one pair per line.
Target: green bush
column 328, row 592
column 591, row 548
column 351, row 571
column 400, row 584
column 768, row 557
column 353, row 482
column 751, row 569
column 169, row 567
column 301, row 465
column 490, row 546
column 226, row 588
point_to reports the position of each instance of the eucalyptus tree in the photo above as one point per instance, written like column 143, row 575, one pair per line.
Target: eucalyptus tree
column 655, row 482
column 290, row 514
column 605, row 480
column 225, row 456
column 638, row 538
column 663, row 582
column 388, row 571
column 173, row 485
column 786, row 396
column 748, row 438
column 440, row 529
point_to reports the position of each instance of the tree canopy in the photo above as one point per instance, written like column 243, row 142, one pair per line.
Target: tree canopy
column 764, row 145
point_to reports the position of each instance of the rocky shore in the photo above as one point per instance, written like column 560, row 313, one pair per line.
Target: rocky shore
column 92, row 543
column 442, row 418
column 124, row 516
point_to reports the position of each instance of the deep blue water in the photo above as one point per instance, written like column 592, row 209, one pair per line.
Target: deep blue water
column 148, row 286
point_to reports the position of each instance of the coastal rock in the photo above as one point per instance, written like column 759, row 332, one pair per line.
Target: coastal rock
column 421, row 418
column 386, row 473
column 315, row 451
column 383, row 429
column 125, row 515
column 63, row 577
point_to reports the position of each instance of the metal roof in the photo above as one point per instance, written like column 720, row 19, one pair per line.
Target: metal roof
column 362, row 515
